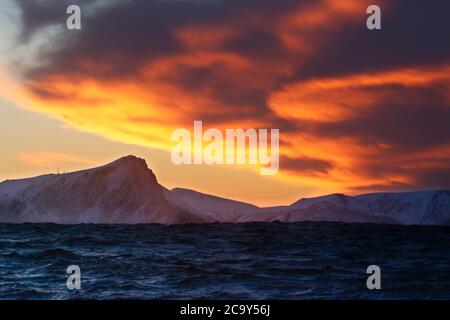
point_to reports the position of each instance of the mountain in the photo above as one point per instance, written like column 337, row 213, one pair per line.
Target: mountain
column 224, row 210
column 126, row 191
column 420, row 208
column 214, row 208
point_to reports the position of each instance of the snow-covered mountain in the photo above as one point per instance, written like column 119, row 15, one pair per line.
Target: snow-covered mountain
column 224, row 210
column 214, row 208
column 421, row 207
column 126, row 191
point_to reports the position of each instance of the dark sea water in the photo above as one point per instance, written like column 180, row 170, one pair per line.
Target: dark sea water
column 247, row 261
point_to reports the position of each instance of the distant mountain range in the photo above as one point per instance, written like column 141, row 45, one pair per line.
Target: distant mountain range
column 126, row 191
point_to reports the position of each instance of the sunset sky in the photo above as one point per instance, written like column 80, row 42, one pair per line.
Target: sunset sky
column 358, row 110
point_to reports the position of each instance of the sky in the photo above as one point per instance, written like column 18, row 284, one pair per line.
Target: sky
column 358, row 110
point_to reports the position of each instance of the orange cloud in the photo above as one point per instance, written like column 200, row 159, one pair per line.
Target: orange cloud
column 307, row 28
column 336, row 98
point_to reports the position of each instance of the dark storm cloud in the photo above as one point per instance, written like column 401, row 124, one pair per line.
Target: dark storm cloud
column 132, row 31
column 414, row 32
column 129, row 33
column 39, row 14
column 305, row 165
column 405, row 128
column 435, row 175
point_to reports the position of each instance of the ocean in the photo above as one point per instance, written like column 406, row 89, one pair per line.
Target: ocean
column 308, row 260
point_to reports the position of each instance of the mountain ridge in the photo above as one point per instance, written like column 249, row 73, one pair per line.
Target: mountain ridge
column 127, row 191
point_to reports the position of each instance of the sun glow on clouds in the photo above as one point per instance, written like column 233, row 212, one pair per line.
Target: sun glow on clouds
column 322, row 103
column 244, row 68
column 334, row 99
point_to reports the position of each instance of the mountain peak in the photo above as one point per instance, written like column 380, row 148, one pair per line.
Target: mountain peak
column 131, row 165
column 129, row 160
column 133, row 169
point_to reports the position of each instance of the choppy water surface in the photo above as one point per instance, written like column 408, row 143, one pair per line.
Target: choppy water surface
column 247, row 261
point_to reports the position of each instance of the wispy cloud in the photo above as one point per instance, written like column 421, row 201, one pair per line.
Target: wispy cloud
column 53, row 160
